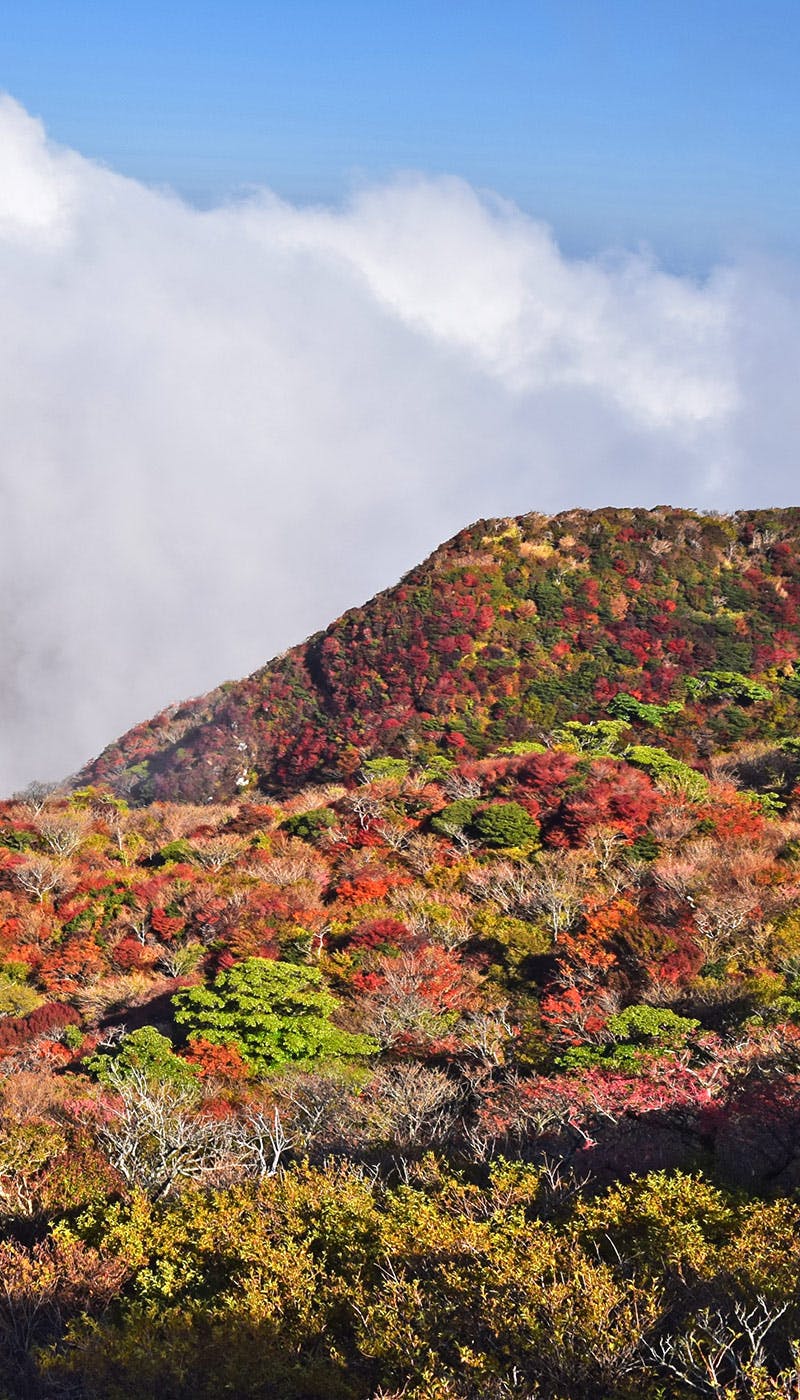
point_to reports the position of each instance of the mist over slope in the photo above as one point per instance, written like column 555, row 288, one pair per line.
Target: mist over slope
column 222, row 426
column 509, row 629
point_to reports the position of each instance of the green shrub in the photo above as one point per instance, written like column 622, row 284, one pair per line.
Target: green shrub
column 376, row 768
column 645, row 847
column 438, row 766
column 504, row 825
column 271, row 1012
column 732, row 685
column 17, row 998
column 178, row 851
column 455, row 816
column 601, row 737
column 635, row 711
column 18, row 840
column 521, row 748
column 634, row 1032
column 144, row 1052
column 307, row 825
column 662, row 767
column 651, row 1025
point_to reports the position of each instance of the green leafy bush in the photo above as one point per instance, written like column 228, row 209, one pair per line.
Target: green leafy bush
column 635, row 711
column 601, row 737
column 713, row 685
column 455, row 816
column 651, row 1025
column 144, row 1052
column 307, row 825
column 376, row 768
column 17, row 998
column 505, row 825
column 663, row 767
column 271, row 1012
column 522, row 748
column 178, row 851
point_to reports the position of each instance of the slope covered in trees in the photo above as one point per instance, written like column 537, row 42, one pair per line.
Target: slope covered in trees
column 470, row 1072
column 473, row 1079
column 510, row 629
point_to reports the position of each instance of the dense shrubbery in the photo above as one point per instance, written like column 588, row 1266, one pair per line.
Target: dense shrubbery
column 531, row 1020
column 476, row 1074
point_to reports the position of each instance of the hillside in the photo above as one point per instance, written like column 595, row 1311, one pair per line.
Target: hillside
column 510, row 629
column 466, row 1082
column 474, row 1076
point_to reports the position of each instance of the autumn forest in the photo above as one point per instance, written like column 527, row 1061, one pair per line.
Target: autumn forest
column 419, row 1017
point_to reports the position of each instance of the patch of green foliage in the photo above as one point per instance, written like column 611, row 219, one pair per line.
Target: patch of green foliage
column 635, row 1032
column 309, row 824
column 627, row 707
column 179, row 852
column 600, row 737
column 18, row 840
column 652, row 1026
column 271, row 1012
column 731, row 685
column 17, row 998
column 663, row 767
column 505, row 825
column 378, row 768
column 144, row 1052
column 455, row 816
column 522, row 748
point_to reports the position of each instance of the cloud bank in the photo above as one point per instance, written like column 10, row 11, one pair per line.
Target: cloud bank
column 221, row 428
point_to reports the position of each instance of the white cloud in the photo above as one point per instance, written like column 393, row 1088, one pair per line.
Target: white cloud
column 221, row 428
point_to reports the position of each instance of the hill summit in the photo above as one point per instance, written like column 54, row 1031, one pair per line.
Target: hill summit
column 510, row 629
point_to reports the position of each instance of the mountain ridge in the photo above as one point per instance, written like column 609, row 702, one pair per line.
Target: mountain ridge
column 513, row 626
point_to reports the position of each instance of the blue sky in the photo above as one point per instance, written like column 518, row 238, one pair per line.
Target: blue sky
column 670, row 122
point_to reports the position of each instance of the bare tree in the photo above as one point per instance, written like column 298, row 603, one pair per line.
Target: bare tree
column 321, row 1108
column 155, row 1139
column 178, row 820
column 720, row 918
column 673, row 823
column 717, row 1357
column 41, row 875
column 364, row 806
column 35, row 797
column 401, row 1005
column 724, row 889
column 504, row 883
column 395, row 835
column 449, row 924
column 458, row 785
column 605, row 845
column 423, row 852
column 126, row 830
column 181, row 958
column 293, row 865
column 259, row 1142
column 63, row 832
column 217, row 852
column 486, row 1034
column 557, row 888
column 409, row 1104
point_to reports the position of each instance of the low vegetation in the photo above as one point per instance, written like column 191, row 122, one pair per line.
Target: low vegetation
column 469, row 1069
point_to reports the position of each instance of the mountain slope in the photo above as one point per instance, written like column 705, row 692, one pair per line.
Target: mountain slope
column 509, row 629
